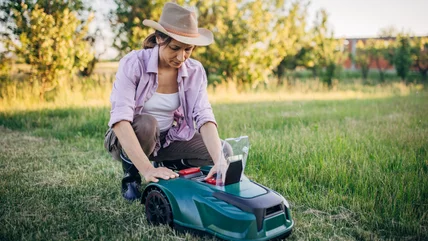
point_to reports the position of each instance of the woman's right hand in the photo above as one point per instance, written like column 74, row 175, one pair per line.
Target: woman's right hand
column 153, row 173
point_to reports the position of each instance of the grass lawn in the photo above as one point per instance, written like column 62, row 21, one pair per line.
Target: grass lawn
column 351, row 169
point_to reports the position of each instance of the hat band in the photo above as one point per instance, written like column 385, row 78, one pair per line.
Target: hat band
column 192, row 35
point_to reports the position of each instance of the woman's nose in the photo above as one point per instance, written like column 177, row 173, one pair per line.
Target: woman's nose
column 181, row 56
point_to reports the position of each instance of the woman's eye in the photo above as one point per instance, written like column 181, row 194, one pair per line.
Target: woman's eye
column 175, row 49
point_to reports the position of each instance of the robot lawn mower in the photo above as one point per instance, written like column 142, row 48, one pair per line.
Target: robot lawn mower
column 239, row 209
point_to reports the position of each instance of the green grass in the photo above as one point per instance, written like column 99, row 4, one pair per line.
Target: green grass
column 352, row 170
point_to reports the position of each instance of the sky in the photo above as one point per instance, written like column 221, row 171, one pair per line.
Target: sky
column 348, row 18
column 364, row 18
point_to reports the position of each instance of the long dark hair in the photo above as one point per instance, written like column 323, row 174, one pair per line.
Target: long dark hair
column 150, row 41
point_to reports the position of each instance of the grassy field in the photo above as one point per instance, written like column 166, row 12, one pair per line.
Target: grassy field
column 354, row 169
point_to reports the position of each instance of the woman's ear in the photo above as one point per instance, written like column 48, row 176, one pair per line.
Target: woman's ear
column 158, row 40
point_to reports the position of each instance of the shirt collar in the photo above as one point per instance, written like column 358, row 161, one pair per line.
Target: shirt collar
column 152, row 66
column 182, row 72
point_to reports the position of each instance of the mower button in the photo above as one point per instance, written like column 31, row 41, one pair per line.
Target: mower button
column 211, row 181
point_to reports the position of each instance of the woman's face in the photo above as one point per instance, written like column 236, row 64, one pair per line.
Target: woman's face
column 174, row 54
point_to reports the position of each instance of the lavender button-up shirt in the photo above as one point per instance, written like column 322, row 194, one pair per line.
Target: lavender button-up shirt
column 137, row 80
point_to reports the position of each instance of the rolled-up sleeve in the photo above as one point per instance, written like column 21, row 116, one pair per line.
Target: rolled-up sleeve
column 203, row 112
column 123, row 93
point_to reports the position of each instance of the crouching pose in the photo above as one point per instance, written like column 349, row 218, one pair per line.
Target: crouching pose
column 159, row 106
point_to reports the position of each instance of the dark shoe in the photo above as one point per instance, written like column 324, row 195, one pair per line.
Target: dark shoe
column 131, row 181
column 131, row 190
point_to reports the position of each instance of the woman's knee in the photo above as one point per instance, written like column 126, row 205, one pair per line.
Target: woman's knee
column 111, row 144
column 147, row 131
column 145, row 124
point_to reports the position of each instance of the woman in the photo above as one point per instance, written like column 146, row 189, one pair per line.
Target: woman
column 158, row 96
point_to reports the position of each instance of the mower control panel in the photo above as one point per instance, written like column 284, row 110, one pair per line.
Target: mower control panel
column 195, row 174
column 233, row 174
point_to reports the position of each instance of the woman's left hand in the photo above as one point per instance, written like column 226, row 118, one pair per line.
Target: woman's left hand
column 221, row 166
column 212, row 172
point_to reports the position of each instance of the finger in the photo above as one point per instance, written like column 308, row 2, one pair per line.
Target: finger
column 153, row 179
column 162, row 176
column 165, row 174
column 173, row 174
column 210, row 174
column 169, row 172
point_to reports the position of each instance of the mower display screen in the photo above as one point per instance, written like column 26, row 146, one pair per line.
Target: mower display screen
column 236, row 158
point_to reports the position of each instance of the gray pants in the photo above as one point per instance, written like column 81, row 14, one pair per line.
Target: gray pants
column 146, row 129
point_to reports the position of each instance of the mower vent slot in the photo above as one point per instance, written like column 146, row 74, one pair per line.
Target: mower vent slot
column 273, row 210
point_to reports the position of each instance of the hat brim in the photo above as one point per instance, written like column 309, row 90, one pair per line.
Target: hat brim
column 205, row 36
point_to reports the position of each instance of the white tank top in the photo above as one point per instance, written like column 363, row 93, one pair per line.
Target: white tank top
column 162, row 107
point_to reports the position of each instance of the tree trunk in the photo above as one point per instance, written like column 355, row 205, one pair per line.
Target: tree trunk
column 381, row 72
column 422, row 70
column 42, row 92
column 89, row 69
column 424, row 74
column 280, row 73
column 365, row 72
column 381, row 75
column 314, row 72
column 330, row 74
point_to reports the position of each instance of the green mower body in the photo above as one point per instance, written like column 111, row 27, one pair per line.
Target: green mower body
column 244, row 210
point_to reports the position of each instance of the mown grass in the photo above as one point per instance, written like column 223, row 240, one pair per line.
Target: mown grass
column 352, row 170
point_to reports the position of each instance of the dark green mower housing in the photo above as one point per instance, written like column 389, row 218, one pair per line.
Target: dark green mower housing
column 239, row 210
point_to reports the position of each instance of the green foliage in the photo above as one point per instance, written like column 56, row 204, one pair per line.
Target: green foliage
column 5, row 64
column 296, row 54
column 420, row 56
column 50, row 38
column 377, row 49
column 126, row 22
column 388, row 32
column 403, row 56
column 371, row 51
column 325, row 50
column 362, row 58
column 251, row 37
column 315, row 49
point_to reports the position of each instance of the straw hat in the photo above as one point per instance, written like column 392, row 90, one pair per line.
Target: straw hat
column 182, row 25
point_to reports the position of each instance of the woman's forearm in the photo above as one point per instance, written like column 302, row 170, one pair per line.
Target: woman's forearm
column 211, row 140
column 127, row 138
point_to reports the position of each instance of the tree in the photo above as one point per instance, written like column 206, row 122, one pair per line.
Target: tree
column 251, row 37
column 93, row 40
column 362, row 58
column 326, row 51
column 48, row 36
column 377, row 49
column 420, row 55
column 126, row 22
column 403, row 56
column 295, row 56
column 4, row 64
column 388, row 32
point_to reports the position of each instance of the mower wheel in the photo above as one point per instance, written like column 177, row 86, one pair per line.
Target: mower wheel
column 158, row 209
